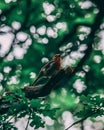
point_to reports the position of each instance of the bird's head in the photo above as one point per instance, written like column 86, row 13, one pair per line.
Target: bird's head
column 56, row 57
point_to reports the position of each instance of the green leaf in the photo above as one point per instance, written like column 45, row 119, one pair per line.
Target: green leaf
column 35, row 103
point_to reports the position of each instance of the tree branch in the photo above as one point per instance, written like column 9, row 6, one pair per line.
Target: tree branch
column 81, row 120
column 94, row 28
column 27, row 123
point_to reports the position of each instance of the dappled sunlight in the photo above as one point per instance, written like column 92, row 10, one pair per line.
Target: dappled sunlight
column 82, row 47
column 85, row 30
column 62, row 26
column 48, row 8
column 66, row 47
column 32, row 75
column 50, row 18
column 70, row 88
column 10, row 57
column 32, row 29
column 94, row 126
column 18, row 52
column 44, row 60
column 1, row 76
column 5, row 42
column 102, row 70
column 13, row 80
column 76, row 55
column 7, row 69
column 68, row 119
column 41, row 30
column 81, row 74
column 101, row 42
column 97, row 59
column 5, row 29
column 16, row 25
column 79, row 86
column 49, row 121
column 8, row 1
column 45, row 41
column 51, row 32
column 86, row 5
column 21, row 36
column 86, row 68
column 27, row 44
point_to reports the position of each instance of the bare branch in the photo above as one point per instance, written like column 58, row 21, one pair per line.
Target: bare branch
column 81, row 120
column 27, row 123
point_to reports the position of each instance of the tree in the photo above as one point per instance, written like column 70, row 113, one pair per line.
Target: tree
column 31, row 33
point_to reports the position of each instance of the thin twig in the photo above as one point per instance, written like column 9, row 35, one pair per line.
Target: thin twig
column 27, row 123
column 11, row 118
column 82, row 125
column 81, row 120
column 87, row 116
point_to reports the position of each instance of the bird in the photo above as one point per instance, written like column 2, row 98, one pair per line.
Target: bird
column 50, row 69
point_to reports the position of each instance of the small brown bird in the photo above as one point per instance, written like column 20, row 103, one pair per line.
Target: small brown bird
column 51, row 68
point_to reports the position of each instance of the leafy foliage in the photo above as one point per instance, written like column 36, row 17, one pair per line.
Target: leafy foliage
column 31, row 33
column 34, row 109
column 93, row 105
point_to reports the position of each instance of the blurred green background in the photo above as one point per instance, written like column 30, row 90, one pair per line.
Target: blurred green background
column 33, row 31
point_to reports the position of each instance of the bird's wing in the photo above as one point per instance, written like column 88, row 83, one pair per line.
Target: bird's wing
column 51, row 68
column 44, row 71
